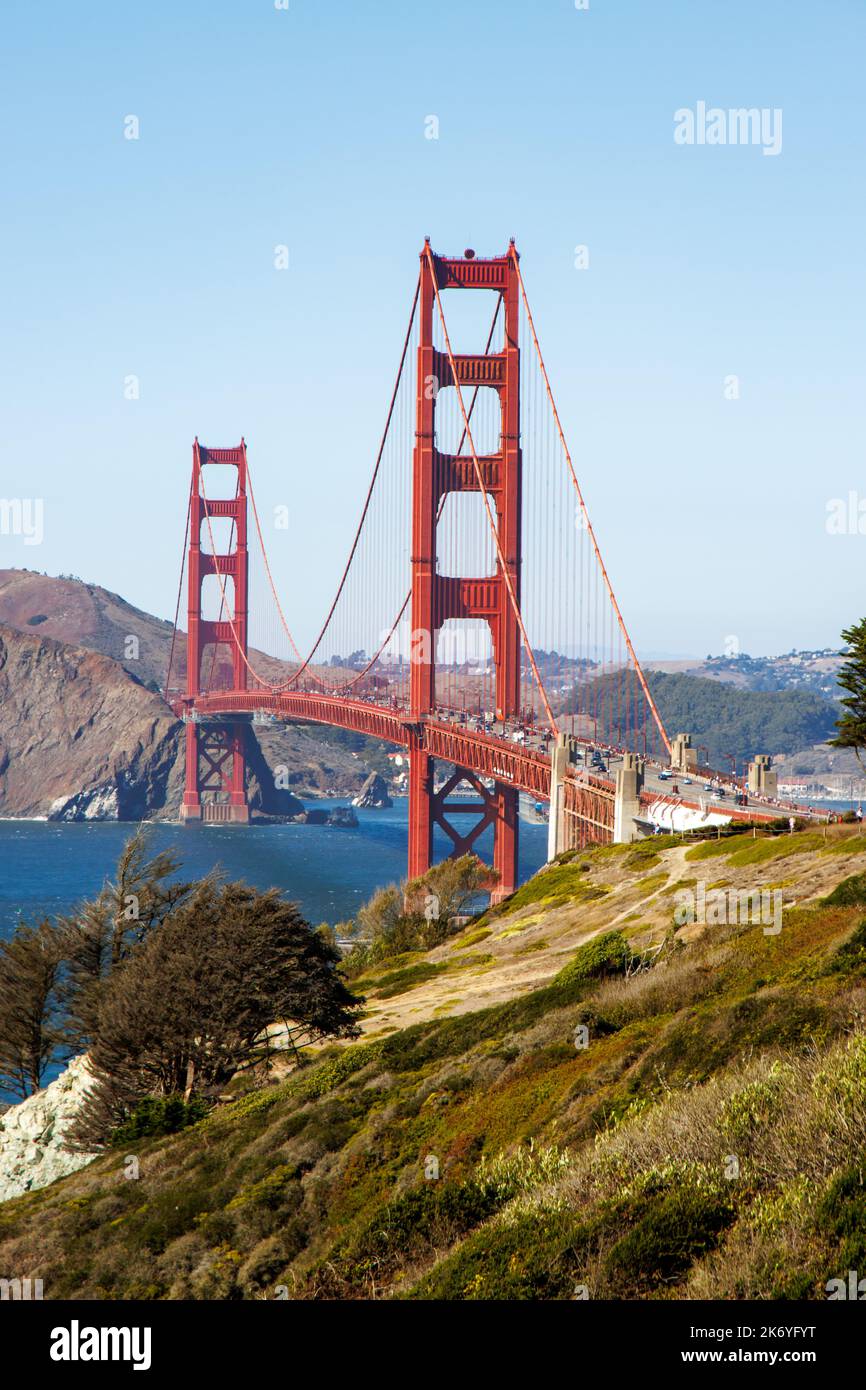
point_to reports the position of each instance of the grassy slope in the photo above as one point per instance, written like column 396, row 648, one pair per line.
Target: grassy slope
column 710, row 1141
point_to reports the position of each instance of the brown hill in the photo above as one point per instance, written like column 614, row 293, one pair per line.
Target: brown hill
column 86, row 615
column 82, row 739
column 79, row 736
column 84, row 730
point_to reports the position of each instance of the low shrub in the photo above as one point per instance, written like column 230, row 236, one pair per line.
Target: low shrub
column 608, row 954
column 676, row 1229
column 155, row 1115
column 850, row 958
column 851, row 892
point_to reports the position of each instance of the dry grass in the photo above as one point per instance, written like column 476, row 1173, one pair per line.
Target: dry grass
column 669, row 986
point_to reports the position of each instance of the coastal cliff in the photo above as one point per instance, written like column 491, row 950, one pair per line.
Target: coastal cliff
column 85, row 733
column 79, row 737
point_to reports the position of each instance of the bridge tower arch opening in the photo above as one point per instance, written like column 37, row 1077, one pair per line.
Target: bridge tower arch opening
column 215, row 768
column 437, row 598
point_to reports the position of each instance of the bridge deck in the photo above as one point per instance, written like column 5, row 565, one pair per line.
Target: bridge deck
column 588, row 796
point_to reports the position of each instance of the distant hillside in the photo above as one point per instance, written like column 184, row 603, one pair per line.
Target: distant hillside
column 86, row 615
column 79, row 736
column 82, row 720
column 741, row 722
column 813, row 671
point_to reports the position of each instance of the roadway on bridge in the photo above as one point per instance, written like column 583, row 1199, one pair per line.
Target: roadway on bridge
column 696, row 787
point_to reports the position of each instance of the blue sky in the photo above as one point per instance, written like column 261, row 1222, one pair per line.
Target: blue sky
column 258, row 127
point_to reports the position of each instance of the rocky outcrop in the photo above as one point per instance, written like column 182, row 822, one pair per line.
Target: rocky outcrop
column 265, row 793
column 341, row 816
column 374, row 794
column 79, row 738
column 32, row 1134
column 310, row 765
column 85, row 733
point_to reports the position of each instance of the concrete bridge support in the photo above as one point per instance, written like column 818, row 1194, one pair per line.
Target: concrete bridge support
column 684, row 758
column 629, row 781
column 762, row 777
column 562, row 755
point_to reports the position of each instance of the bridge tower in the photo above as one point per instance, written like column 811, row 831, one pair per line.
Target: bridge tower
column 437, row 598
column 215, row 782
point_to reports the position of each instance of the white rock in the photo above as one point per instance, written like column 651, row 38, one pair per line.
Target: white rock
column 31, row 1134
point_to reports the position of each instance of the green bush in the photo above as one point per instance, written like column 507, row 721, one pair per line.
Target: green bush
column 677, row 1228
column 155, row 1115
column 850, row 958
column 399, row 981
column 609, row 954
column 535, row 1256
column 553, row 886
column 851, row 892
column 842, row 1214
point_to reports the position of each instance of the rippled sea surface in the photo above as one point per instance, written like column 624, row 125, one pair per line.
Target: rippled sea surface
column 47, row 868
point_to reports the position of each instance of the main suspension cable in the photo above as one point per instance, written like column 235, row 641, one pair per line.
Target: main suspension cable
column 368, row 498
column 585, row 514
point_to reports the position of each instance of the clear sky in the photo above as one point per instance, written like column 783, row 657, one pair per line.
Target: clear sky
column 306, row 127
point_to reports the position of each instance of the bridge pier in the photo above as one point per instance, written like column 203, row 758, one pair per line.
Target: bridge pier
column 190, row 808
column 561, row 757
column 216, row 765
column 420, row 806
column 762, row 779
column 684, row 758
column 506, row 835
column 427, row 807
column 629, row 781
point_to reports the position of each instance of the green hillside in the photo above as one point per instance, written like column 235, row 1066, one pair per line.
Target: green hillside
column 708, row 1142
column 741, row 722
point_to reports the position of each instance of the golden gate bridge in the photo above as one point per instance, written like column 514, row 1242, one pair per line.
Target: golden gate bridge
column 474, row 623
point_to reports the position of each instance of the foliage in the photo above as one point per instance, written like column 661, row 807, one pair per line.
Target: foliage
column 418, row 914
column 553, row 886
column 189, row 1008
column 29, row 1033
column 850, row 958
column 156, row 1115
column 851, row 892
column 851, row 724
column 609, row 954
column 674, row 1229
column 103, row 932
column 741, row 722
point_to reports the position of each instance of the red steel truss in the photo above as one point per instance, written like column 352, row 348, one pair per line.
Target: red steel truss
column 436, row 598
column 215, row 783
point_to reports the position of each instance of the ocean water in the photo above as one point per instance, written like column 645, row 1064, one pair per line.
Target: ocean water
column 46, row 867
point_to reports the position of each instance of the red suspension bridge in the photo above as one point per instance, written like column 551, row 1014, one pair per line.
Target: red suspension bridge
column 474, row 624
